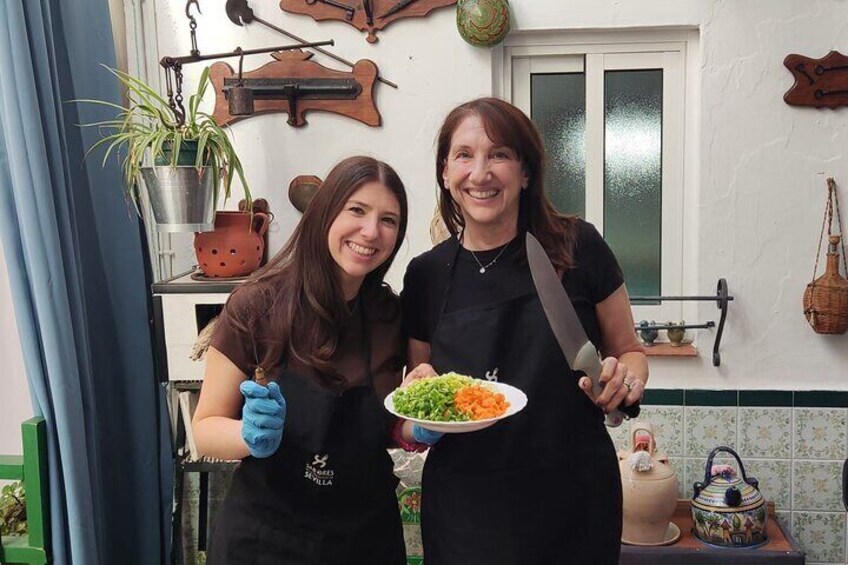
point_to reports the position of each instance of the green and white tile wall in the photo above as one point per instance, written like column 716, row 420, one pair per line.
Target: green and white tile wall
column 794, row 443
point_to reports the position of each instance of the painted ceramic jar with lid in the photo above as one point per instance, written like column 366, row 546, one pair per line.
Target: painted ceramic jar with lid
column 728, row 510
column 649, row 488
column 482, row 23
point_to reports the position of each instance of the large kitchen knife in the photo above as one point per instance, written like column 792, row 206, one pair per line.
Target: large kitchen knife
column 578, row 350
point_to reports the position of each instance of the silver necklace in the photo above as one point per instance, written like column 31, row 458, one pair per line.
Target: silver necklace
column 490, row 263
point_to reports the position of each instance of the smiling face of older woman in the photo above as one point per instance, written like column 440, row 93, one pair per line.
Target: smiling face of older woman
column 485, row 180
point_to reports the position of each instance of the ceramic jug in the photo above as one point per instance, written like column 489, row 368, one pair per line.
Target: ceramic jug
column 482, row 23
column 728, row 511
column 235, row 247
column 649, row 486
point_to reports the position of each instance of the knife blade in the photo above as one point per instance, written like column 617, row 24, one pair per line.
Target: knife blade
column 578, row 350
column 395, row 9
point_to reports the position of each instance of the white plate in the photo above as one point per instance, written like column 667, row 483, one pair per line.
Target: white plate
column 517, row 401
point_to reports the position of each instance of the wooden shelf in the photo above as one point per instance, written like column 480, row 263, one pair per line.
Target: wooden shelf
column 668, row 350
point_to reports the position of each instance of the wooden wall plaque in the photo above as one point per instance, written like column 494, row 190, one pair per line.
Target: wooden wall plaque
column 364, row 15
column 820, row 83
column 293, row 68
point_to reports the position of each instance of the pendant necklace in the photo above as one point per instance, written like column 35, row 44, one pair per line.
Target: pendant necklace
column 483, row 267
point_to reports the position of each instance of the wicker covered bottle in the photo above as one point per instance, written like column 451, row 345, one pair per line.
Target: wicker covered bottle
column 826, row 298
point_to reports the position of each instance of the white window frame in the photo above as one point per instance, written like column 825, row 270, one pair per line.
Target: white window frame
column 673, row 51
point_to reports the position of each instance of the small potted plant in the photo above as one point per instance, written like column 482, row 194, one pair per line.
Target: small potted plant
column 13, row 510
column 181, row 159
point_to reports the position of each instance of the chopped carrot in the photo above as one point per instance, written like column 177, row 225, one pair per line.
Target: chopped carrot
column 479, row 402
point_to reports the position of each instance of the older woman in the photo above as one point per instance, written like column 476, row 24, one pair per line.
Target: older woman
column 543, row 486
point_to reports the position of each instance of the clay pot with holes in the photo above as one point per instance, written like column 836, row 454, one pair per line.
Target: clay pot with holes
column 235, row 247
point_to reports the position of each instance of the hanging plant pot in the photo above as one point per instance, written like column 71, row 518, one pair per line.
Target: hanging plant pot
column 482, row 23
column 182, row 198
column 181, row 187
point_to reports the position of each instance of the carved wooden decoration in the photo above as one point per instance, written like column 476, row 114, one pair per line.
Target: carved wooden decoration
column 364, row 15
column 295, row 85
column 821, row 83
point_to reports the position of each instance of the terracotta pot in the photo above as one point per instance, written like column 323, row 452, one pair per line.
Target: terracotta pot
column 235, row 247
column 649, row 486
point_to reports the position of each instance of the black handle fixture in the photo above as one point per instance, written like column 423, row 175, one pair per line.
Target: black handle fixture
column 708, row 476
column 722, row 298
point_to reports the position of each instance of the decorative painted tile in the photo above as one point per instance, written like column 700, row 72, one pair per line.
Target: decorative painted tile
column 785, row 520
column 679, row 467
column 820, row 399
column 821, row 535
column 766, row 398
column 620, row 436
column 711, row 398
column 775, row 477
column 668, row 427
column 708, row 428
column 765, row 432
column 817, row 485
column 820, row 433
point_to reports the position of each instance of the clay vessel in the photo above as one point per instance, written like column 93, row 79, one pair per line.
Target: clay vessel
column 649, row 486
column 482, row 23
column 235, row 247
column 728, row 510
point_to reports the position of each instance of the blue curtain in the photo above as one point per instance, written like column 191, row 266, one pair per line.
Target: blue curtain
column 78, row 274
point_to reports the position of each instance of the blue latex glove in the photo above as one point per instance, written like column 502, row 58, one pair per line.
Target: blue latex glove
column 423, row 435
column 262, row 417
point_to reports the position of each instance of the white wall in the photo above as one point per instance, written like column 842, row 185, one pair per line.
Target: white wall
column 759, row 195
column 15, row 405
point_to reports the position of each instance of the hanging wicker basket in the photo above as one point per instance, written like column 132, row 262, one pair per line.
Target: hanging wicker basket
column 826, row 298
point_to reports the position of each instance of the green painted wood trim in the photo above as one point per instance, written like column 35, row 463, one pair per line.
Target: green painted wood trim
column 821, row 399
column 766, row 398
column 11, row 467
column 16, row 549
column 711, row 398
column 34, row 433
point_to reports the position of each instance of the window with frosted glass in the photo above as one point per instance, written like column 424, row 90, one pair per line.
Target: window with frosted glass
column 558, row 103
column 633, row 175
column 632, row 179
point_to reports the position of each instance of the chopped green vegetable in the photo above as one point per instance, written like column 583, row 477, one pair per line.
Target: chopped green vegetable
column 432, row 398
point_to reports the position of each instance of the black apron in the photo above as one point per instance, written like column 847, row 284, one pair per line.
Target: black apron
column 541, row 487
column 327, row 496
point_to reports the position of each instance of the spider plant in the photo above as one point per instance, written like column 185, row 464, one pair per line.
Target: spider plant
column 147, row 131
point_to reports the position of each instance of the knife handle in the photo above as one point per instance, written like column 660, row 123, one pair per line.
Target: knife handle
column 588, row 363
column 631, row 411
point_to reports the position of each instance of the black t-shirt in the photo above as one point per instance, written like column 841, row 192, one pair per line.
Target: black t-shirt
column 426, row 291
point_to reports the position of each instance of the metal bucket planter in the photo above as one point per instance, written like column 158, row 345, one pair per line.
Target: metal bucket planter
column 182, row 198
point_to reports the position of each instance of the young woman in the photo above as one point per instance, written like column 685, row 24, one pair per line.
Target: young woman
column 319, row 326
column 543, row 486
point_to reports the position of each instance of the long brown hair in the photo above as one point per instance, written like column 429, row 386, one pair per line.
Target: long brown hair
column 508, row 126
column 301, row 307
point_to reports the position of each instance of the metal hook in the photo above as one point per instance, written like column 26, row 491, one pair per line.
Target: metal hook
column 240, row 52
column 188, row 8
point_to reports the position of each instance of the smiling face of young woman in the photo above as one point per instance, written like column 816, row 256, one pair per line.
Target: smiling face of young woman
column 364, row 234
column 485, row 180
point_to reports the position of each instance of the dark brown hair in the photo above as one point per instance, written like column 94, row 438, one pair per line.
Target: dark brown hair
column 301, row 308
column 508, row 126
